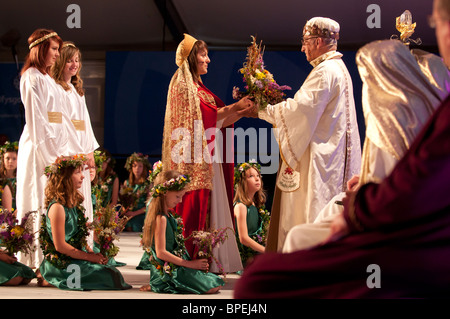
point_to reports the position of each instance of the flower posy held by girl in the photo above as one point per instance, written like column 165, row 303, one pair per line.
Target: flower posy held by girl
column 15, row 236
column 260, row 84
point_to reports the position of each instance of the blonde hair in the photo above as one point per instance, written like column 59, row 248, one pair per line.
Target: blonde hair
column 68, row 51
column 61, row 189
column 156, row 206
column 241, row 194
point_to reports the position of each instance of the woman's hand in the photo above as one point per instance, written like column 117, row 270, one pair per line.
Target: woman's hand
column 200, row 264
column 97, row 258
column 247, row 108
column 7, row 258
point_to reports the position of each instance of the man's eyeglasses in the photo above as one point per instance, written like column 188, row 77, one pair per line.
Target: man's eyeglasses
column 303, row 40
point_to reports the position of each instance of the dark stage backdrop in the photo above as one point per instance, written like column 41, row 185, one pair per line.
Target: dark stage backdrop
column 137, row 83
column 136, row 93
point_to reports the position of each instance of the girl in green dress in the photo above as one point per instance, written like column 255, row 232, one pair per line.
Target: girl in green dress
column 68, row 262
column 172, row 270
column 8, row 169
column 137, row 186
column 13, row 273
column 249, row 212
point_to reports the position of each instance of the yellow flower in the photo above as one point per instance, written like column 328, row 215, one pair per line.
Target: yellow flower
column 260, row 75
column 17, row 231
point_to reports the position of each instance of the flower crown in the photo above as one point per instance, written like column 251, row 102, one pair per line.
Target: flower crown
column 65, row 161
column 137, row 157
column 174, row 184
column 157, row 168
column 99, row 158
column 239, row 171
column 9, row 147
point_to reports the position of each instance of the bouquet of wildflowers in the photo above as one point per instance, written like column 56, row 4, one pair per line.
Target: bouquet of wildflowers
column 264, row 214
column 128, row 198
column 260, row 84
column 206, row 241
column 107, row 225
column 15, row 236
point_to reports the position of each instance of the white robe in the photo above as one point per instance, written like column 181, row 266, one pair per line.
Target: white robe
column 400, row 92
column 305, row 236
column 81, row 140
column 317, row 133
column 43, row 139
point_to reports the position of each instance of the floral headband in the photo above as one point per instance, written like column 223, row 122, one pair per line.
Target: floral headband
column 99, row 158
column 239, row 171
column 157, row 168
column 65, row 161
column 9, row 147
column 137, row 157
column 174, row 184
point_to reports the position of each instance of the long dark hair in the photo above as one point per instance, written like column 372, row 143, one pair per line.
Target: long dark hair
column 199, row 45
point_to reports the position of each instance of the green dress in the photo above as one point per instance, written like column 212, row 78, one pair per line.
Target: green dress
column 144, row 263
column 255, row 229
column 178, row 280
column 10, row 271
column 11, row 182
column 104, row 188
column 79, row 274
column 136, row 223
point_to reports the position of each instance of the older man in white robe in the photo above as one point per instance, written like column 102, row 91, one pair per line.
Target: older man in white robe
column 317, row 133
column 393, row 119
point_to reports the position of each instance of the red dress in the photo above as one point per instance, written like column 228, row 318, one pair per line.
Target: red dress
column 401, row 225
column 195, row 206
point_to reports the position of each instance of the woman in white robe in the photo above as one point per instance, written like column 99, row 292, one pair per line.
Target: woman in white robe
column 44, row 136
column 66, row 73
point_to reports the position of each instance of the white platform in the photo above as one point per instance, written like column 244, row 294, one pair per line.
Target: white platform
column 130, row 253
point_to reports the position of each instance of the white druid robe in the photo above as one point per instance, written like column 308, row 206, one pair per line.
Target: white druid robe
column 317, row 133
column 43, row 139
column 81, row 140
column 394, row 111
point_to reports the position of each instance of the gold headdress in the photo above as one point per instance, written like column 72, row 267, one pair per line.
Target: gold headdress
column 406, row 28
column 42, row 39
column 68, row 44
column 184, row 49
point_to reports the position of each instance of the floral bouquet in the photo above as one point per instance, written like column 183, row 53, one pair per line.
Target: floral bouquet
column 107, row 225
column 260, row 84
column 206, row 241
column 127, row 197
column 16, row 237
column 264, row 214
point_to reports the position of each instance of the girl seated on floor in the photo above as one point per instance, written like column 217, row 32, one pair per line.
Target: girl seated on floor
column 172, row 270
column 251, row 218
column 68, row 262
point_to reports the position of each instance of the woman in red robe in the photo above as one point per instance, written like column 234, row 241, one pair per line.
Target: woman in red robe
column 194, row 117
